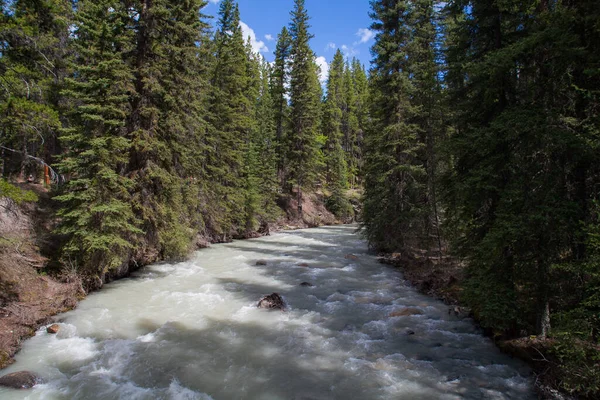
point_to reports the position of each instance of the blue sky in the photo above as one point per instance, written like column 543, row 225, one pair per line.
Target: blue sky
column 334, row 23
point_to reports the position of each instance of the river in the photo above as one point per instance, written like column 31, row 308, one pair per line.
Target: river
column 192, row 331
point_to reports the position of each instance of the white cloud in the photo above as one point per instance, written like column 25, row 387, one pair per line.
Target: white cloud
column 258, row 46
column 324, row 67
column 269, row 37
column 214, row 1
column 330, row 46
column 364, row 35
column 349, row 51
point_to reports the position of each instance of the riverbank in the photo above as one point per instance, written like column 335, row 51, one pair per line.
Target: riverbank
column 28, row 296
column 443, row 278
column 33, row 288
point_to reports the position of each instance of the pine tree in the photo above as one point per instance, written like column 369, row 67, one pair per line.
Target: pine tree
column 265, row 142
column 33, row 63
column 303, row 152
column 333, row 119
column 519, row 189
column 165, row 122
column 279, row 94
column 350, row 125
column 424, row 52
column 97, row 216
column 395, row 175
column 231, row 117
column 252, row 161
column 360, row 84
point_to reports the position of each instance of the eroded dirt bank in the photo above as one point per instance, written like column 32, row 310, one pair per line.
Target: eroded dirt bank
column 28, row 298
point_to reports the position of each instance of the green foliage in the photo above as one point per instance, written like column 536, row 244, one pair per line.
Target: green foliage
column 335, row 160
column 16, row 194
column 397, row 205
column 579, row 366
column 279, row 83
column 579, row 288
column 516, row 193
column 97, row 216
column 167, row 123
column 339, row 205
column 303, row 154
column 354, row 118
column 33, row 62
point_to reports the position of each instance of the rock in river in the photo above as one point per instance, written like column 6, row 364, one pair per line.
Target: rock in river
column 53, row 329
column 272, row 301
column 19, row 380
column 405, row 312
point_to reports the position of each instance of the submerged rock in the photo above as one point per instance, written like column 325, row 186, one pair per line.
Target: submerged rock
column 351, row 257
column 261, row 262
column 405, row 312
column 272, row 301
column 19, row 380
column 53, row 329
column 307, row 284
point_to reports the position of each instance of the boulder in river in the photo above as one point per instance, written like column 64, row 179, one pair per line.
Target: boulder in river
column 307, row 284
column 19, row 380
column 261, row 262
column 272, row 301
column 53, row 329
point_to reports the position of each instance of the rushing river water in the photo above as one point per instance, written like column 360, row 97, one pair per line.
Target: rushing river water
column 192, row 331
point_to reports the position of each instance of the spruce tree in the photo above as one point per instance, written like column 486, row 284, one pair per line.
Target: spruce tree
column 251, row 167
column 33, row 64
column 395, row 175
column 266, row 145
column 303, row 153
column 231, row 117
column 96, row 213
column 360, row 83
column 519, row 188
column 333, row 117
column 279, row 94
column 350, row 127
column 165, row 123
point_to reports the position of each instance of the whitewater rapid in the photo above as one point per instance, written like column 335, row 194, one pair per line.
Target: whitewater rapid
column 192, row 331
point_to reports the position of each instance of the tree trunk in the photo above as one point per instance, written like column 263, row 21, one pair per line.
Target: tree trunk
column 544, row 320
column 543, row 323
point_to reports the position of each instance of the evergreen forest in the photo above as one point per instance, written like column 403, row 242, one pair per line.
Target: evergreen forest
column 473, row 135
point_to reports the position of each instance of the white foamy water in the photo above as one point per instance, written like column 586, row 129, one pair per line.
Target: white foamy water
column 192, row 331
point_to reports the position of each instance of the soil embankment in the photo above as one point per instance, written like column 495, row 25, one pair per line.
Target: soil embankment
column 28, row 298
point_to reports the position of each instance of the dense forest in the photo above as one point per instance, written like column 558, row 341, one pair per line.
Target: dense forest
column 153, row 129
column 475, row 133
column 485, row 131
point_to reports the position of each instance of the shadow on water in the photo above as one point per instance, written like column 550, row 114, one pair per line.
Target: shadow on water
column 234, row 360
column 336, row 341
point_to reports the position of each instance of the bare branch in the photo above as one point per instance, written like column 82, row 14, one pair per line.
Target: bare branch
column 53, row 175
